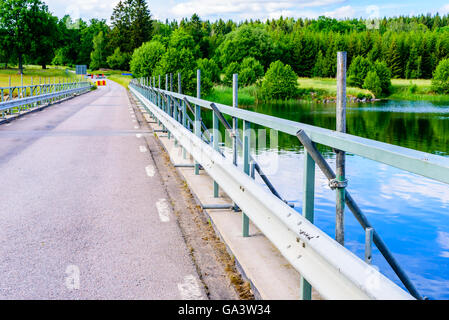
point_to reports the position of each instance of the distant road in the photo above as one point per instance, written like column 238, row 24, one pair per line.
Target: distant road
column 83, row 213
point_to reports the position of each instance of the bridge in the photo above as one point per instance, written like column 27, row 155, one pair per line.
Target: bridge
column 109, row 194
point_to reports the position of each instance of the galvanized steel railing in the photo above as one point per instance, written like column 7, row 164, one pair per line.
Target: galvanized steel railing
column 173, row 106
column 31, row 96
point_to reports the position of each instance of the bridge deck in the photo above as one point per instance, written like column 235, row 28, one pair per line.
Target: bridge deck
column 78, row 192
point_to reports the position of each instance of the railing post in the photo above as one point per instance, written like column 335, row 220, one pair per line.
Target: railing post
column 340, row 155
column 169, row 104
column 159, row 98
column 308, row 211
column 216, row 145
column 183, row 112
column 197, row 126
column 246, row 169
column 235, row 104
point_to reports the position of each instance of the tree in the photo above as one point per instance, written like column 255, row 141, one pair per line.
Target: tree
column 132, row 25
column 145, row 59
column 372, row 83
column 44, row 42
column 384, row 75
column 118, row 60
column 229, row 72
column 358, row 70
column 280, row 82
column 209, row 69
column 440, row 81
column 246, row 41
column 20, row 21
column 97, row 57
column 179, row 61
column 250, row 71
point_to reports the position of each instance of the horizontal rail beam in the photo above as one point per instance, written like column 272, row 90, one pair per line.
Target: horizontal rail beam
column 331, row 269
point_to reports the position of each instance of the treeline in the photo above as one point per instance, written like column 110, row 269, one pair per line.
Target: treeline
column 410, row 47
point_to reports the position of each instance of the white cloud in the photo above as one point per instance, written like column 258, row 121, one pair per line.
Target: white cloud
column 85, row 9
column 444, row 9
column 256, row 9
column 341, row 13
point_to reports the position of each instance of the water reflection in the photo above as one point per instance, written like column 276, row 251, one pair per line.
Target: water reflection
column 409, row 212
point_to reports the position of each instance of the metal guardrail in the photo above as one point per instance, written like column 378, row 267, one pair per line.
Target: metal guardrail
column 330, row 268
column 41, row 94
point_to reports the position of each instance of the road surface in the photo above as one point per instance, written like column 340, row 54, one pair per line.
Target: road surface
column 83, row 211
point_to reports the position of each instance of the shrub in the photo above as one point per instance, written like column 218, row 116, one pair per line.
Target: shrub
column 209, row 69
column 440, row 81
column 358, row 70
column 280, row 82
column 373, row 83
column 384, row 74
column 118, row 60
column 229, row 71
column 250, row 71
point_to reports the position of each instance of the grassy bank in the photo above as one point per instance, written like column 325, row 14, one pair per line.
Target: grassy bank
column 416, row 89
column 34, row 73
column 402, row 89
column 223, row 95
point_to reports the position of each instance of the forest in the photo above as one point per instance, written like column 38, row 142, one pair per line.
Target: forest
column 377, row 50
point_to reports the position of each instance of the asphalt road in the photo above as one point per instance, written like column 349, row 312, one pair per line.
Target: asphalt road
column 83, row 212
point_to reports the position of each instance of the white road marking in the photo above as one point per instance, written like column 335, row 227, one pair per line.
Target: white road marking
column 163, row 209
column 150, row 171
column 133, row 116
column 190, row 289
column 138, row 136
column 143, row 149
column 8, row 124
column 136, row 127
column 134, row 120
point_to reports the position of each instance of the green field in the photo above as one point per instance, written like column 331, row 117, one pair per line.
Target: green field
column 34, row 74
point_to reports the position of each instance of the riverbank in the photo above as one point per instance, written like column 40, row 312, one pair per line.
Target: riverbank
column 324, row 90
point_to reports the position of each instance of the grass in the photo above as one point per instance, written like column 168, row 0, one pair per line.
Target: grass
column 223, row 95
column 327, row 87
column 121, row 80
column 34, row 73
column 402, row 90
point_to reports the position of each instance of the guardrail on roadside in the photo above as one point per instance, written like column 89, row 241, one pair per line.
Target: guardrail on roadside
column 41, row 94
column 330, row 268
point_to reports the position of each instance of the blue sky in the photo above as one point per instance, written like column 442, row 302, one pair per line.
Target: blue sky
column 262, row 9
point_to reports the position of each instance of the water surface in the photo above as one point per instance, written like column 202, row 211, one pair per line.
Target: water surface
column 411, row 213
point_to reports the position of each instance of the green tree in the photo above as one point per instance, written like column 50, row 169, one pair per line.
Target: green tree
column 97, row 57
column 44, row 43
column 384, row 75
column 131, row 25
column 145, row 59
column 280, row 82
column 180, row 61
column 246, row 41
column 118, row 60
column 372, row 83
column 319, row 70
column 250, row 71
column 20, row 22
column 440, row 81
column 230, row 70
column 210, row 69
column 358, row 70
